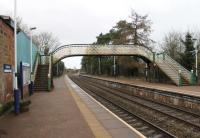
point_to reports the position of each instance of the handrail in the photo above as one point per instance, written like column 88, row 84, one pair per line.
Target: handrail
column 33, row 74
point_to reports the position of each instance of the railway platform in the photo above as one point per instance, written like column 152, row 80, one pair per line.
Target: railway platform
column 67, row 111
column 186, row 90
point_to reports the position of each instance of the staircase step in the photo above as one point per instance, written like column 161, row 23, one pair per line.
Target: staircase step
column 40, row 87
column 40, row 90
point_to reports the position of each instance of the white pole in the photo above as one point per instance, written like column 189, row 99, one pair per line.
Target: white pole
column 15, row 42
column 31, row 50
column 196, row 51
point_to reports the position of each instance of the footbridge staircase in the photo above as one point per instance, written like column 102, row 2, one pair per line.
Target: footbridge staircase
column 42, row 73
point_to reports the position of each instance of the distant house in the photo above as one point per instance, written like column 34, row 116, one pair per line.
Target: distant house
column 6, row 59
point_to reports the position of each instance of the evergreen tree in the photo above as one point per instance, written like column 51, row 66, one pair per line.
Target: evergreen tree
column 137, row 32
column 188, row 57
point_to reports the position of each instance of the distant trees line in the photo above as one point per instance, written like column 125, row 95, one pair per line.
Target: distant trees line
column 58, row 68
column 181, row 47
column 137, row 31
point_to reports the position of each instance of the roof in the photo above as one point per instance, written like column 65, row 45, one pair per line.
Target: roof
column 7, row 20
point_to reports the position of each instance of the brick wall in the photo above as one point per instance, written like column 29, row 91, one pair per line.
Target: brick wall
column 6, row 57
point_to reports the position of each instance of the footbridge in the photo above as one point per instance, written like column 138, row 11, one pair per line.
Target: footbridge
column 177, row 73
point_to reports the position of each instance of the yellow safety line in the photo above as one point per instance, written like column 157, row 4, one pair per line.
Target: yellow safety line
column 97, row 129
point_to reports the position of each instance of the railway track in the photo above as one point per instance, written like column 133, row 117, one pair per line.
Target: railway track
column 144, row 126
column 178, row 122
column 189, row 118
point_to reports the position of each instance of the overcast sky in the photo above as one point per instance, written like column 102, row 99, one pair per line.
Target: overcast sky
column 80, row 21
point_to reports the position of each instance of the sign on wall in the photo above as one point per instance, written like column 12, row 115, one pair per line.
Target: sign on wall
column 26, row 73
column 7, row 68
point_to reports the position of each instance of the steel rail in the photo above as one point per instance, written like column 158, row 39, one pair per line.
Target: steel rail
column 146, row 106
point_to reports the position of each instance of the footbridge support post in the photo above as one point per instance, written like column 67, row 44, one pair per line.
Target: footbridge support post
column 180, row 78
column 193, row 80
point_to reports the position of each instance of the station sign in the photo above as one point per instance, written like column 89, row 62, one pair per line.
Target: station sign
column 25, row 64
column 7, row 68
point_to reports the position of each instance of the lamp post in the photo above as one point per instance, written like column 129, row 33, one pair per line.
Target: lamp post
column 16, row 90
column 31, row 62
column 196, row 59
column 31, row 48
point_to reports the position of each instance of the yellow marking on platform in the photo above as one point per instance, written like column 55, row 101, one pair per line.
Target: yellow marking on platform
column 98, row 130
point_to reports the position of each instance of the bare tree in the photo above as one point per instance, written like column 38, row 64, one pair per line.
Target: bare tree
column 196, row 35
column 173, row 45
column 22, row 26
column 46, row 41
column 141, row 29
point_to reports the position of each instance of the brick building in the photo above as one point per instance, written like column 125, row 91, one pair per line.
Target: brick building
column 6, row 59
